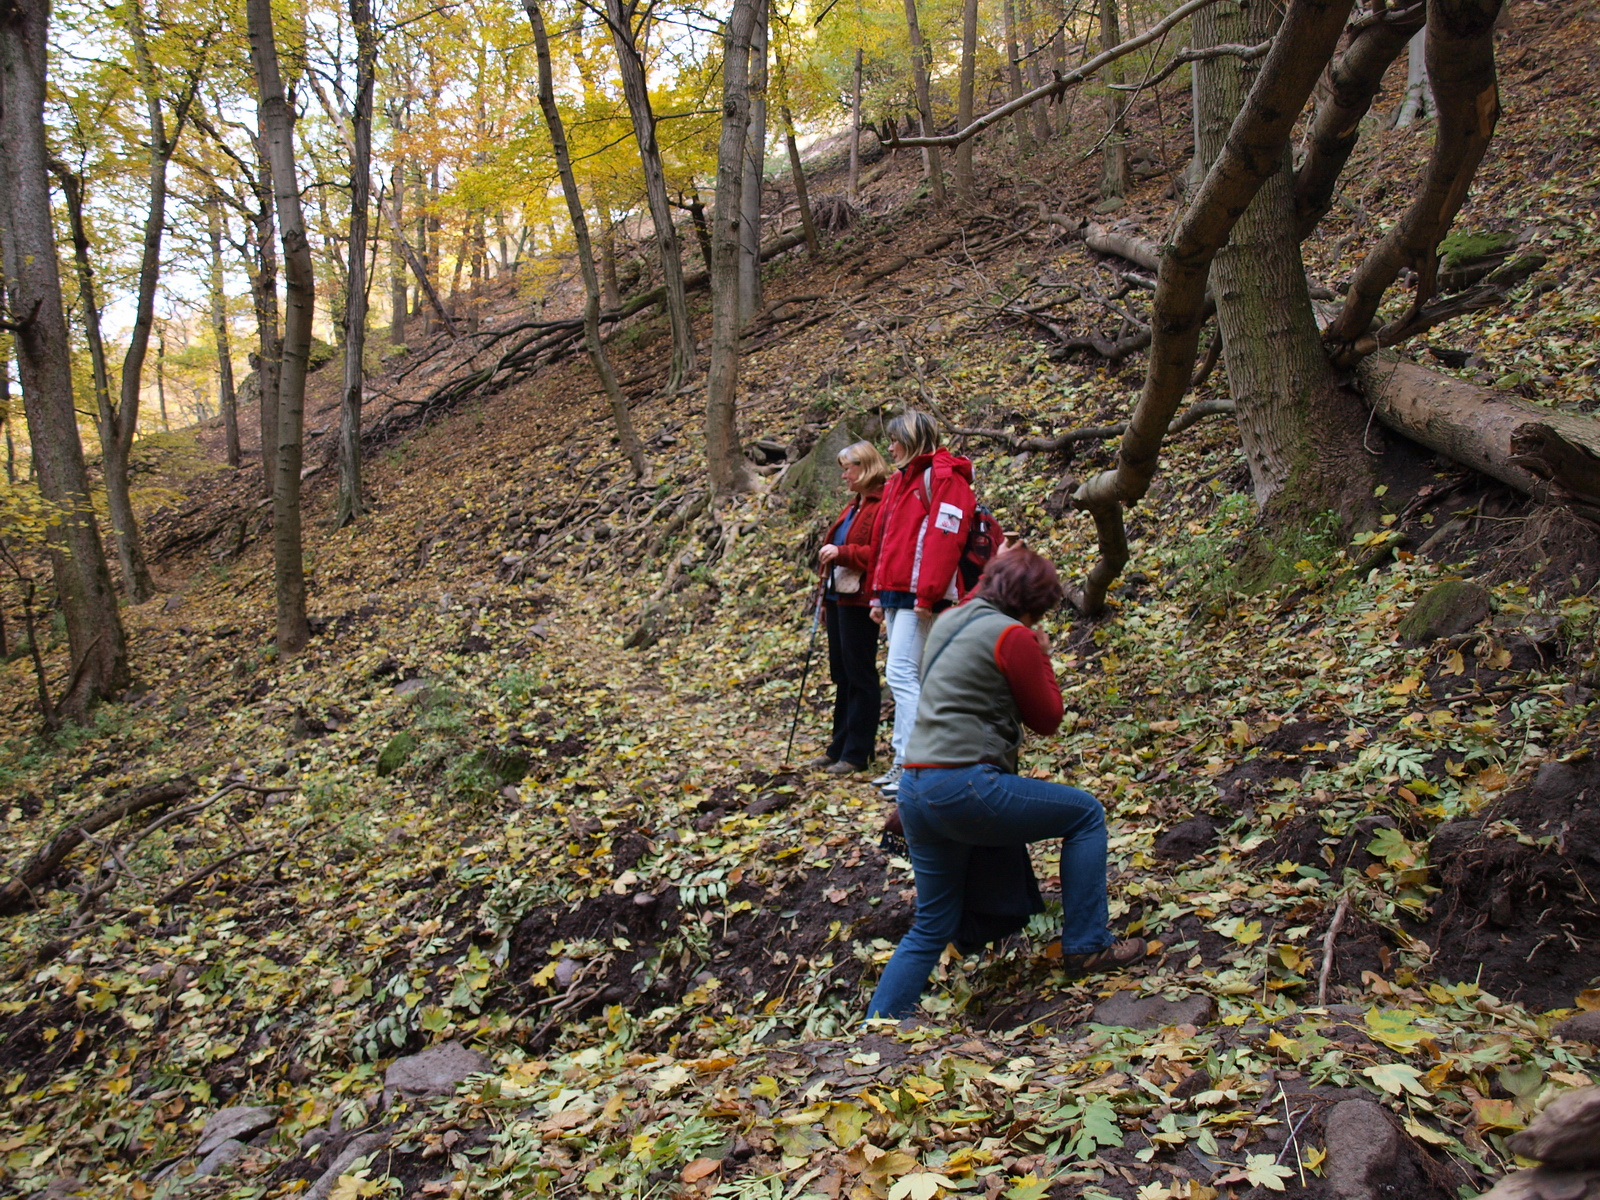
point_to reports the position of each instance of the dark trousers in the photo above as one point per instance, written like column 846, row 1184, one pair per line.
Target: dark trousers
column 853, row 665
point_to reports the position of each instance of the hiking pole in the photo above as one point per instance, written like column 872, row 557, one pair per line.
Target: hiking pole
column 805, row 671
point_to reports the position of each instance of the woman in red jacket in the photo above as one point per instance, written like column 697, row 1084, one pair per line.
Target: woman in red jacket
column 921, row 533
column 846, row 559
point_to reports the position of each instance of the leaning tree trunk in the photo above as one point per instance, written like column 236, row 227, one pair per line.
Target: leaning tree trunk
column 802, row 196
column 350, row 504
column 755, row 165
column 1301, row 431
column 1252, row 154
column 724, row 460
column 227, row 400
column 277, row 127
column 44, row 364
column 580, row 234
column 637, row 92
column 966, row 181
column 921, row 64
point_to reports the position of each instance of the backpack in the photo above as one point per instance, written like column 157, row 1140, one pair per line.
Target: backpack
column 984, row 536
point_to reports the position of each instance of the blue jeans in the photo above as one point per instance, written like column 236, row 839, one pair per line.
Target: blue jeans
column 906, row 633
column 948, row 810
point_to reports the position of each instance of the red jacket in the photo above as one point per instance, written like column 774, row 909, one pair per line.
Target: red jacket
column 855, row 553
column 922, row 528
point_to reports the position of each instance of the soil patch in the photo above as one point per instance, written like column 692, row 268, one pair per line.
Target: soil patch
column 1518, row 909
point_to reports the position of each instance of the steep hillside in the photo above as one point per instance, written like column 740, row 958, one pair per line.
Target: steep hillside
column 526, row 794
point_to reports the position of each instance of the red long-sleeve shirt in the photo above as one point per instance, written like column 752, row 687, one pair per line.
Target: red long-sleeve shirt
column 1033, row 680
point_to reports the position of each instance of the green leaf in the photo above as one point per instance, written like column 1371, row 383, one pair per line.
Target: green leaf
column 1027, row 1187
column 1396, row 1078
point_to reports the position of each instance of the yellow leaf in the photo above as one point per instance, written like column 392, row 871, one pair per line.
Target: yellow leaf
column 1314, row 1158
column 1406, row 686
column 1589, row 999
column 1455, row 664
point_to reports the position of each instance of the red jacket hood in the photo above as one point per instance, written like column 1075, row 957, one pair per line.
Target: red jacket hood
column 941, row 460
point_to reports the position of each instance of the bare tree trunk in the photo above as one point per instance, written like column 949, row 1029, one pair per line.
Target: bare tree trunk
column 724, row 459
column 966, row 181
column 702, row 231
column 1035, row 75
column 268, row 359
column 1058, row 55
column 1416, row 105
column 921, row 65
column 39, row 328
column 755, row 167
column 5, row 400
column 1008, row 9
column 1115, row 179
column 619, row 16
column 397, row 261
column 350, row 504
column 1302, row 433
column 853, row 191
column 611, row 287
column 277, row 126
column 628, row 439
column 1252, row 154
column 161, row 379
column 807, row 222
column 226, row 399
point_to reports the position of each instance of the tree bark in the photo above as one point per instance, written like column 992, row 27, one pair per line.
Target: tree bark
column 921, row 65
column 1300, row 430
column 807, row 223
column 226, row 399
column 611, row 289
column 620, row 19
column 1252, row 154
column 626, row 436
column 1345, row 97
column 1466, row 92
column 33, row 293
column 1417, row 102
column 1014, row 75
column 397, row 261
column 966, row 180
column 1034, row 73
column 277, row 126
column 755, row 165
column 350, row 504
column 853, row 191
column 1114, row 179
column 268, row 359
column 724, row 459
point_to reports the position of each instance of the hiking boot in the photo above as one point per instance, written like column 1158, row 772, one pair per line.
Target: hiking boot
column 1115, row 957
column 842, row 767
column 820, row 763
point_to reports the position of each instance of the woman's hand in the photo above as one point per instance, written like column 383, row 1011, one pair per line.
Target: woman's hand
column 876, row 613
column 924, row 615
column 827, row 554
column 1043, row 638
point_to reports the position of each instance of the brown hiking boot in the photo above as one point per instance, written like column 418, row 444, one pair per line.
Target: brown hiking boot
column 1114, row 957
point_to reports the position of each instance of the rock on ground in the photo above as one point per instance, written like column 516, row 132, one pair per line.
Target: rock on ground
column 1584, row 1027
column 234, row 1124
column 1566, row 1135
column 1155, row 1012
column 1370, row 1158
column 434, row 1072
column 1447, row 609
column 359, row 1147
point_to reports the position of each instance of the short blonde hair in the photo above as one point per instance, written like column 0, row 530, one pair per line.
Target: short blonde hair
column 915, row 430
column 874, row 471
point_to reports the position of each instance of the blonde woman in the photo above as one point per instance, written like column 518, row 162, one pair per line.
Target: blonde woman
column 846, row 564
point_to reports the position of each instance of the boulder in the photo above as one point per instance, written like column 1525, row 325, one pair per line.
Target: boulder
column 224, row 1152
column 395, row 753
column 1447, row 609
column 235, row 1123
column 434, row 1072
column 816, row 481
column 1584, row 1027
column 1133, row 1011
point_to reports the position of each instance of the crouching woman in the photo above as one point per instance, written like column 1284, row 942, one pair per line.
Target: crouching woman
column 985, row 673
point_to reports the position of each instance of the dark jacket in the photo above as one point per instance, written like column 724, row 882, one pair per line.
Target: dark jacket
column 855, row 554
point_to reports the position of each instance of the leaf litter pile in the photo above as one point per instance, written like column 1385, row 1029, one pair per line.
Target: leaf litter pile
column 522, row 806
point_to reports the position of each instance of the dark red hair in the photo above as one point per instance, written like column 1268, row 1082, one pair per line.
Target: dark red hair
column 1021, row 583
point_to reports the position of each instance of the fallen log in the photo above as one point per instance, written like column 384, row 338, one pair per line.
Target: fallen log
column 72, row 833
column 1553, row 457
column 1197, row 411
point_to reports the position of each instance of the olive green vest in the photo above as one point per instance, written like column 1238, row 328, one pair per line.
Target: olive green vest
column 966, row 714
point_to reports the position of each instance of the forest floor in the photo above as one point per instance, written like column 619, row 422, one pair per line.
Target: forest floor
column 526, row 790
